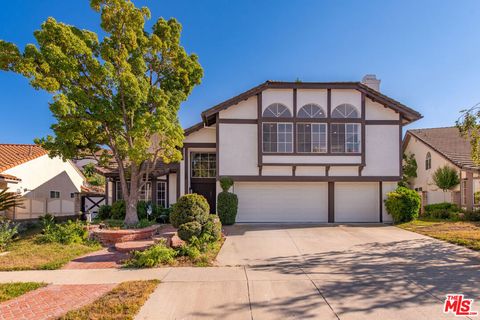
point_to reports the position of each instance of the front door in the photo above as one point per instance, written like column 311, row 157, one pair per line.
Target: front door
column 203, row 176
column 206, row 188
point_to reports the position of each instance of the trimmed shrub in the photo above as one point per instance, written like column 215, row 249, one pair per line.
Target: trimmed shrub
column 8, row 230
column 227, row 207
column 104, row 212
column 189, row 208
column 471, row 216
column 188, row 230
column 154, row 256
column 66, row 233
column 226, row 183
column 403, row 204
column 444, row 210
column 118, row 210
column 212, row 230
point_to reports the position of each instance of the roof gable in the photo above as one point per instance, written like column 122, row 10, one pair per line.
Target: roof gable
column 12, row 155
column 410, row 115
column 447, row 142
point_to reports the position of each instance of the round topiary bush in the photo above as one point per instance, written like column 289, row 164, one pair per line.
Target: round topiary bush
column 227, row 207
column 403, row 204
column 212, row 228
column 226, row 183
column 190, row 207
column 189, row 229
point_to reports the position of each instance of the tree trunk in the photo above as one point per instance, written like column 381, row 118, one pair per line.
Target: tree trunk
column 131, row 216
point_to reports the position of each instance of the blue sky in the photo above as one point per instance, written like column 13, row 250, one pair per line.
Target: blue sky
column 425, row 52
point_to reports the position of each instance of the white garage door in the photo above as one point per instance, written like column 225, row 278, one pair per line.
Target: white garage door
column 356, row 202
column 282, row 201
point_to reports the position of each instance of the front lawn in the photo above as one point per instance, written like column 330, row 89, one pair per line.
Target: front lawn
column 123, row 302
column 12, row 290
column 463, row 233
column 26, row 254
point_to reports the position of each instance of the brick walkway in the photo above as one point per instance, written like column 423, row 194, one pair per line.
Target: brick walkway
column 103, row 259
column 52, row 301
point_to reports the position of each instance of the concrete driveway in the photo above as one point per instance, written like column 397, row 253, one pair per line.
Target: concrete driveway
column 320, row 272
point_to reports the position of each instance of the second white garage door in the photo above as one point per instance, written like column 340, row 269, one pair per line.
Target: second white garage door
column 356, row 202
column 282, row 201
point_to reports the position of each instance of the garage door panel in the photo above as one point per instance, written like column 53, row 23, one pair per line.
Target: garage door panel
column 282, row 202
column 356, row 202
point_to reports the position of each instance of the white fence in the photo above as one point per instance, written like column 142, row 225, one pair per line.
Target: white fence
column 33, row 208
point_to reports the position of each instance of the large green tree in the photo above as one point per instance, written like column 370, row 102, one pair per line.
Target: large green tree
column 122, row 91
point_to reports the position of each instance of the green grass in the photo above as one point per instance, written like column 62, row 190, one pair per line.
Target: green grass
column 123, row 302
column 12, row 290
column 26, row 254
column 463, row 233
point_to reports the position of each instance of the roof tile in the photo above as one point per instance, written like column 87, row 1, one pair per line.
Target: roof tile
column 12, row 155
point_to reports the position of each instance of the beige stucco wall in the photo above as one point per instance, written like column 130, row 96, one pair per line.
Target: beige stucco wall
column 283, row 96
column 40, row 176
column 204, row 135
column 382, row 153
column 238, row 149
column 424, row 177
column 243, row 110
column 307, row 96
column 172, row 188
column 341, row 96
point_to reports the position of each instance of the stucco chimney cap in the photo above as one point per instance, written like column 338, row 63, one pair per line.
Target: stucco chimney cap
column 371, row 81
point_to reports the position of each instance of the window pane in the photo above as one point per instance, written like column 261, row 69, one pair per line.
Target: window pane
column 352, row 137
column 304, row 137
column 319, row 137
column 204, row 165
column 270, row 137
column 162, row 194
column 337, row 137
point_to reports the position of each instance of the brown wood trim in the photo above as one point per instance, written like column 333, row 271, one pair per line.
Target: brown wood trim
column 400, row 148
column 294, row 170
column 315, row 178
column 153, row 183
column 329, row 113
column 259, row 130
column 178, row 184
column 260, row 170
column 320, row 164
column 294, row 137
column 238, row 121
column 331, row 202
column 203, row 180
column 410, row 114
column 106, row 191
column 383, row 122
column 327, row 170
column 320, row 154
column 362, row 129
column 186, row 170
column 314, row 120
column 380, row 204
column 199, row 145
column 360, row 169
column 193, row 128
column 217, row 147
column 167, row 192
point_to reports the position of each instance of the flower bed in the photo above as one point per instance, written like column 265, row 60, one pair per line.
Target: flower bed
column 110, row 237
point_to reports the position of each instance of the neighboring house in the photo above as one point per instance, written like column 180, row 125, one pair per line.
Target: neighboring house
column 49, row 185
column 434, row 148
column 297, row 152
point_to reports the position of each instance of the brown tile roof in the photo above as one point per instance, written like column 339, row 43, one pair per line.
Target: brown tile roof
column 160, row 169
column 449, row 143
column 4, row 176
column 12, row 155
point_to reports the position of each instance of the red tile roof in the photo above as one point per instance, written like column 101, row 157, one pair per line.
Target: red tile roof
column 12, row 155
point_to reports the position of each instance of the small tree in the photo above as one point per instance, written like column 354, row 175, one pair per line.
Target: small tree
column 122, row 91
column 409, row 167
column 227, row 202
column 446, row 178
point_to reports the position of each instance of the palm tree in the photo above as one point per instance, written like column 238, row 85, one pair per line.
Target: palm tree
column 9, row 200
column 446, row 178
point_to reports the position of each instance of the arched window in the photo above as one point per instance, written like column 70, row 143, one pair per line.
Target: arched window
column 345, row 111
column 277, row 110
column 428, row 161
column 311, row 110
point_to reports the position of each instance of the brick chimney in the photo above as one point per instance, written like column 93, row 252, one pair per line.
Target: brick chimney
column 371, row 81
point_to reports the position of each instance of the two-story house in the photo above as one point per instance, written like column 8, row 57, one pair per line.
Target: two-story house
column 297, row 152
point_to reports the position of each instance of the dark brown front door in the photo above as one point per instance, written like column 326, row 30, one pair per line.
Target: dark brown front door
column 206, row 187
